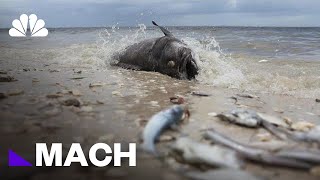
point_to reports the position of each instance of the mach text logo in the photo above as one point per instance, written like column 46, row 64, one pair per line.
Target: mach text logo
column 53, row 156
column 36, row 26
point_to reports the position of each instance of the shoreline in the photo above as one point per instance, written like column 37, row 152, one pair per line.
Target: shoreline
column 115, row 104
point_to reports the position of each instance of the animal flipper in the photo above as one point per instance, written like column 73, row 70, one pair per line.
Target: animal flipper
column 165, row 31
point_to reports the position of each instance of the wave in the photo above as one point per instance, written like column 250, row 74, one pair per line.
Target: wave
column 245, row 73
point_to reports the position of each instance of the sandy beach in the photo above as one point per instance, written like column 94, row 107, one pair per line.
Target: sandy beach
column 114, row 102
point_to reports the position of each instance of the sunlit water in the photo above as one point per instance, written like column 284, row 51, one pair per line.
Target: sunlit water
column 270, row 60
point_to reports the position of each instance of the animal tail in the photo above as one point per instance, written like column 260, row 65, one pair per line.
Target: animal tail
column 165, row 31
column 149, row 148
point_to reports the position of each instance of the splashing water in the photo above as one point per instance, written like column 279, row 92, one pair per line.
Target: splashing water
column 95, row 48
column 220, row 69
column 215, row 67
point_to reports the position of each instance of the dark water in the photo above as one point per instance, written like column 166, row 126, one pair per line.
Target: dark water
column 249, row 42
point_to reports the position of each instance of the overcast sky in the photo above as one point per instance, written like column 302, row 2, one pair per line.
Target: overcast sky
column 83, row 13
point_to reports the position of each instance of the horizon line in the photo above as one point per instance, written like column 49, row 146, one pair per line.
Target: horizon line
column 248, row 26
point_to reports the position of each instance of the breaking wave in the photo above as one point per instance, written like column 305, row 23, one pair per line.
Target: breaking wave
column 218, row 68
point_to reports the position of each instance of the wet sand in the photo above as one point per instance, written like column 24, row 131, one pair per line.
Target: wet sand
column 111, row 112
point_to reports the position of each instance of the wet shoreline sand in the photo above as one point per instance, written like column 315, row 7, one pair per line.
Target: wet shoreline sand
column 112, row 108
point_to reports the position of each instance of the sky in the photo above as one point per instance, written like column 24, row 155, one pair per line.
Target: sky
column 100, row 13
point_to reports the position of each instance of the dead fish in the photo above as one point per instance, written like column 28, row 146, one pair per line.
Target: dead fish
column 255, row 154
column 157, row 124
column 303, row 154
column 198, row 153
column 310, row 136
column 222, row 174
column 242, row 117
column 253, row 119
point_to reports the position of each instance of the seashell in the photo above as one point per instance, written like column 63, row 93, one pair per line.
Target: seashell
column 19, row 26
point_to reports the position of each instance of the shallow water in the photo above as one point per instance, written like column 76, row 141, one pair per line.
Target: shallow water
column 229, row 56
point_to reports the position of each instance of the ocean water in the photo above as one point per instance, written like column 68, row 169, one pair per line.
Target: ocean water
column 263, row 59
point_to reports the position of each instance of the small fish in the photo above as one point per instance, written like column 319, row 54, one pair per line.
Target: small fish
column 242, row 117
column 193, row 152
column 157, row 124
column 250, row 118
column 259, row 155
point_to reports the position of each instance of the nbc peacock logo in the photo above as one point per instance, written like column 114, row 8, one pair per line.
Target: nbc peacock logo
column 36, row 26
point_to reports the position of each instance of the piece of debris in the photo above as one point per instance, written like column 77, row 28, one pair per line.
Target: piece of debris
column 166, row 138
column 34, row 80
column 15, row 92
column 54, row 96
column 116, row 93
column 7, row 79
column 76, row 92
column 141, row 122
column 264, row 137
column 77, row 72
column 77, row 78
column 213, row 114
column 53, row 70
column 91, row 85
column 288, row 121
column 302, row 126
column 222, row 174
column 177, row 100
column 193, row 152
column 3, row 72
column 278, row 110
column 250, row 96
column 157, row 124
column 318, row 100
column 86, row 109
column 99, row 102
column 263, row 61
column 72, row 102
column 3, row 96
column 194, row 93
column 154, row 103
